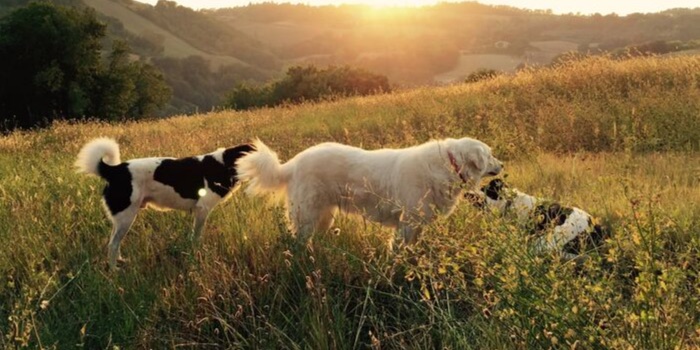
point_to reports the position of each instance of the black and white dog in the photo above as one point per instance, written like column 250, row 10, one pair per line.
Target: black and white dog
column 572, row 229
column 194, row 184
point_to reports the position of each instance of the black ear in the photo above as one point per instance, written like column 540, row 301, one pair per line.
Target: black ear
column 232, row 154
column 494, row 189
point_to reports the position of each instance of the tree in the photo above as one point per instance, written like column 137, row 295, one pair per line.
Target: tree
column 129, row 90
column 308, row 84
column 51, row 56
column 51, row 68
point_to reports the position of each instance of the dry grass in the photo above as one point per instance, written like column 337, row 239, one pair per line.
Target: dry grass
column 619, row 139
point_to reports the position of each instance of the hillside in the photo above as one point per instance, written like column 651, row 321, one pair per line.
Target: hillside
column 446, row 42
column 173, row 46
column 618, row 138
column 439, row 44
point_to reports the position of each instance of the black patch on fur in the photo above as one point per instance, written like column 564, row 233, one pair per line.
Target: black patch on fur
column 219, row 177
column 186, row 175
column 550, row 214
column 494, row 189
column 231, row 155
column 592, row 238
column 117, row 193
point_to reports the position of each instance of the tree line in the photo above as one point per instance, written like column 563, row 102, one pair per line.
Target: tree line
column 53, row 66
column 307, row 83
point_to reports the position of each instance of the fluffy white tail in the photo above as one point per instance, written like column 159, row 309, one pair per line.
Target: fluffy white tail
column 94, row 152
column 262, row 170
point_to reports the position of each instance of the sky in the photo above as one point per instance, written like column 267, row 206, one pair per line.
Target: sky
column 621, row 7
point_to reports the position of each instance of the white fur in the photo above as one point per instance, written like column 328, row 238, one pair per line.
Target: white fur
column 521, row 204
column 402, row 188
column 576, row 223
column 94, row 151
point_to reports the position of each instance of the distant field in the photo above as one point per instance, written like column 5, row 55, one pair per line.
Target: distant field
column 620, row 139
column 547, row 50
column 469, row 63
column 694, row 52
column 172, row 45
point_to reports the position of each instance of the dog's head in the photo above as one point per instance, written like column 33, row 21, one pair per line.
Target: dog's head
column 492, row 195
column 494, row 189
column 472, row 159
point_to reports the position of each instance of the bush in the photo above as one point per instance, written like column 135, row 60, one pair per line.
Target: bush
column 482, row 74
column 308, row 84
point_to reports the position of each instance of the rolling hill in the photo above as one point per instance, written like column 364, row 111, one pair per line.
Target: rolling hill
column 438, row 44
column 620, row 139
column 173, row 46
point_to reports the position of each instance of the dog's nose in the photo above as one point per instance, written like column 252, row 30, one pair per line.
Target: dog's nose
column 498, row 168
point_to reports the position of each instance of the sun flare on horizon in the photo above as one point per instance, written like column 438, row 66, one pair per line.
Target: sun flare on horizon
column 397, row 3
column 556, row 6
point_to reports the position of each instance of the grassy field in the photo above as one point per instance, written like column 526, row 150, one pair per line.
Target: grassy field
column 619, row 139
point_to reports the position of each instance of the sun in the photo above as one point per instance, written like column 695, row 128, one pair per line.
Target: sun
column 398, row 3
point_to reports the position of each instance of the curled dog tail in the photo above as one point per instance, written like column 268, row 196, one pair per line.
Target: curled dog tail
column 262, row 170
column 97, row 157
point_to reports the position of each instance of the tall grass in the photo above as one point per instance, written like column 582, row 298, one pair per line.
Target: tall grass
column 619, row 139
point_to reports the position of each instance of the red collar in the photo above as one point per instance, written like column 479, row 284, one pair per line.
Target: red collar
column 453, row 162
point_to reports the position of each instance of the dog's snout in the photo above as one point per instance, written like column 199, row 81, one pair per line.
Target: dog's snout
column 497, row 168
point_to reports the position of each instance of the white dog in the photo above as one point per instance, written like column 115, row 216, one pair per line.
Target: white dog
column 572, row 229
column 195, row 184
column 402, row 188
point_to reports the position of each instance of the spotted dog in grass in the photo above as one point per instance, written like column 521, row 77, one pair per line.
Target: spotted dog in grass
column 196, row 184
column 556, row 228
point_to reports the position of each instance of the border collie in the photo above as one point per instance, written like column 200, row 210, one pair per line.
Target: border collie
column 572, row 229
column 402, row 188
column 195, row 184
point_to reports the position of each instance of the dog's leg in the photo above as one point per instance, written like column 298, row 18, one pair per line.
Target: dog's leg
column 314, row 219
column 200, row 219
column 409, row 231
column 410, row 223
column 122, row 223
column 325, row 220
column 306, row 225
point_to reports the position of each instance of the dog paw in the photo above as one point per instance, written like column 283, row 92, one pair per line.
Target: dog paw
column 121, row 262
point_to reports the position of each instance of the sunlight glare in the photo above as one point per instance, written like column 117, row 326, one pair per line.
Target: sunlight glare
column 383, row 4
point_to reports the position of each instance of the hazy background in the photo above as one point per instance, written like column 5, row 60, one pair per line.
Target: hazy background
column 205, row 56
column 558, row 7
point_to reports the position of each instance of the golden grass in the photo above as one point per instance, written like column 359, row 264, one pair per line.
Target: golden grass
column 619, row 139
